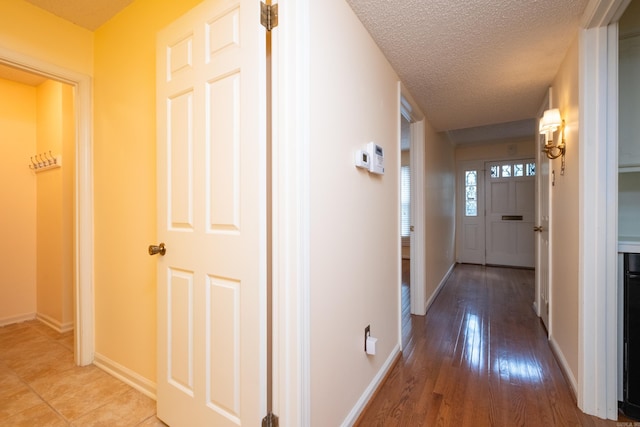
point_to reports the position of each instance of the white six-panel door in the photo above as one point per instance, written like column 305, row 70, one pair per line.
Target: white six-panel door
column 212, row 217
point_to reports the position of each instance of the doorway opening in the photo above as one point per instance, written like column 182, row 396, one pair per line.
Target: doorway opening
column 415, row 121
column 72, row 162
column 406, row 227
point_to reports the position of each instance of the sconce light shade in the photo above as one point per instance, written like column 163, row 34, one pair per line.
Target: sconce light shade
column 551, row 121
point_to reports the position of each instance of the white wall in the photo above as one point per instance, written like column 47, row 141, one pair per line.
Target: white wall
column 354, row 233
column 629, row 204
column 354, row 216
column 520, row 148
column 440, row 209
column 564, row 237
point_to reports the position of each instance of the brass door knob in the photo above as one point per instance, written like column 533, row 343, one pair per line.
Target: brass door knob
column 160, row 249
column 537, row 228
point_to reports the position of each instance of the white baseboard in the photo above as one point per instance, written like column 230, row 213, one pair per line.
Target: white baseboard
column 55, row 324
column 371, row 389
column 126, row 375
column 17, row 319
column 564, row 366
column 439, row 288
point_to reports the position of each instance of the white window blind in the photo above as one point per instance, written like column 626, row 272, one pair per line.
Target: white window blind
column 405, row 203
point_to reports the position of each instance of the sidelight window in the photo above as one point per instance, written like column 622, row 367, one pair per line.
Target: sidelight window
column 471, row 192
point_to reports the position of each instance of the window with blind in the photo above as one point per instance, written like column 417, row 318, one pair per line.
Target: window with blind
column 405, row 204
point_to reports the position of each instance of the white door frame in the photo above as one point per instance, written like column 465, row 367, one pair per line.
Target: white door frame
column 598, row 222
column 417, row 250
column 538, row 303
column 83, row 254
column 290, row 161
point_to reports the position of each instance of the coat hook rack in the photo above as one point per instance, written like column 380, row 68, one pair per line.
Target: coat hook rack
column 44, row 161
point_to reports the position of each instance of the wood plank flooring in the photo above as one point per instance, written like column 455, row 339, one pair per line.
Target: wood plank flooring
column 480, row 357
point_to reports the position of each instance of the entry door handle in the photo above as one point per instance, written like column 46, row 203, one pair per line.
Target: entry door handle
column 539, row 228
column 160, row 249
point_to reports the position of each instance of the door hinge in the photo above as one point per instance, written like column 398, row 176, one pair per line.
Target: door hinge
column 270, row 420
column 268, row 16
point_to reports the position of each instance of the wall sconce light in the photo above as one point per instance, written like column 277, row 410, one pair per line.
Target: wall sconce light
column 550, row 123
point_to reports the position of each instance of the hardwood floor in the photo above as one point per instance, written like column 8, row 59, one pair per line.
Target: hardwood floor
column 480, row 357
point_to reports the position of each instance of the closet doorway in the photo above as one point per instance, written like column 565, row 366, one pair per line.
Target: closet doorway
column 45, row 186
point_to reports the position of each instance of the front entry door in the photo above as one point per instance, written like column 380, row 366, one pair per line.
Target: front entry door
column 211, row 152
column 510, row 210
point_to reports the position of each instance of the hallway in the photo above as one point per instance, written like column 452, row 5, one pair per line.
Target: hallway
column 479, row 358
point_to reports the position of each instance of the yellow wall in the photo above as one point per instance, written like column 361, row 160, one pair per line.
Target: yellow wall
column 565, row 212
column 125, row 182
column 35, row 33
column 27, row 31
column 18, row 196
column 55, row 205
column 124, row 157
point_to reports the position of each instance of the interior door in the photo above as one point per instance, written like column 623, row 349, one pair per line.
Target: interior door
column 509, row 204
column 211, row 104
column 543, row 258
column 543, row 207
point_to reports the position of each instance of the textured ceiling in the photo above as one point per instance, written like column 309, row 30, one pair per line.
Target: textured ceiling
column 90, row 14
column 471, row 63
column 478, row 69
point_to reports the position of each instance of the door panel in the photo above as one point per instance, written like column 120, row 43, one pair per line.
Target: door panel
column 543, row 267
column 510, row 209
column 212, row 217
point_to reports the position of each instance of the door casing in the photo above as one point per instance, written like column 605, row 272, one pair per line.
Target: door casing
column 83, row 204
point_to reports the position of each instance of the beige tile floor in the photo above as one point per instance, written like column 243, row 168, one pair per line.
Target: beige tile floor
column 40, row 386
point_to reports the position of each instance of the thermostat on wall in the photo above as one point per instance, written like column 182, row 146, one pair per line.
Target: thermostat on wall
column 376, row 158
column 362, row 159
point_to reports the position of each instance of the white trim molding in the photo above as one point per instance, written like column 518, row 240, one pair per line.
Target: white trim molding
column 368, row 393
column 410, row 110
column 4, row 321
column 597, row 335
column 290, row 215
column 434, row 295
column 54, row 324
column 564, row 365
column 126, row 375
